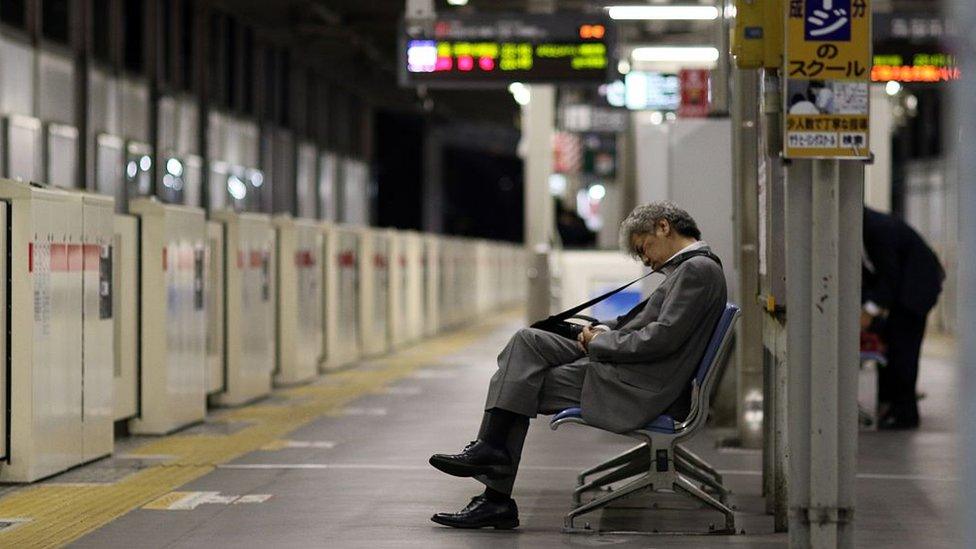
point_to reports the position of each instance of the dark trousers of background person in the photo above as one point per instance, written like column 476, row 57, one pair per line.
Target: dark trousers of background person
column 902, row 334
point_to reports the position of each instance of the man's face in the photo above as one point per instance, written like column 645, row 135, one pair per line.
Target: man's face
column 652, row 248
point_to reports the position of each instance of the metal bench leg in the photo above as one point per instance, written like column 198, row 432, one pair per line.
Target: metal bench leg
column 702, row 478
column 634, row 468
column 692, row 458
column 684, row 485
column 601, row 502
column 617, row 461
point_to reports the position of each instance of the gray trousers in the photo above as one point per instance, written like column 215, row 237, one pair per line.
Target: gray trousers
column 538, row 373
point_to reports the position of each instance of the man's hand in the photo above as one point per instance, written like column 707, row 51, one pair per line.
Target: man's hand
column 586, row 336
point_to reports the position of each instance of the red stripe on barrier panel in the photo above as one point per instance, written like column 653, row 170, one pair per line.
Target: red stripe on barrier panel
column 76, row 257
column 30, row 257
column 59, row 258
column 347, row 259
column 93, row 255
column 379, row 261
column 257, row 259
column 304, row 258
column 165, row 258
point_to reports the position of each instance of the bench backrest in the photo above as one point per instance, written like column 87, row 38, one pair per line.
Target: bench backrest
column 711, row 364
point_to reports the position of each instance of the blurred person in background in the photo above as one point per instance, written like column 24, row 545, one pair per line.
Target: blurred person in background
column 572, row 228
column 901, row 281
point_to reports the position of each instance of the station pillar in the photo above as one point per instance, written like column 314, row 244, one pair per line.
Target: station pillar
column 964, row 114
column 748, row 341
column 824, row 200
column 538, row 125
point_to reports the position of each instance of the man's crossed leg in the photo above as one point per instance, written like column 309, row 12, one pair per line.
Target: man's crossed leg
column 538, row 372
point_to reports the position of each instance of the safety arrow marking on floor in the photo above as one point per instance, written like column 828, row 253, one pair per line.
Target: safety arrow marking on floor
column 354, row 411
column 434, row 374
column 187, row 501
column 409, row 390
column 283, row 444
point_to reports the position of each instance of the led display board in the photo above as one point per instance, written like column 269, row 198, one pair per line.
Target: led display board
column 912, row 47
column 494, row 50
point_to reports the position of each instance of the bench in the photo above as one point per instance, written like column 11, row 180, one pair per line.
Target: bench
column 659, row 462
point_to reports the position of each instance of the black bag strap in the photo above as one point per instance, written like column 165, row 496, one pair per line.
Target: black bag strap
column 568, row 313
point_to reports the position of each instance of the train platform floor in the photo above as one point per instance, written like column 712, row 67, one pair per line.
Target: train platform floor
column 342, row 463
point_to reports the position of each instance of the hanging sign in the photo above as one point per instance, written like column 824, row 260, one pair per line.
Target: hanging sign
column 828, row 71
column 694, row 93
column 481, row 50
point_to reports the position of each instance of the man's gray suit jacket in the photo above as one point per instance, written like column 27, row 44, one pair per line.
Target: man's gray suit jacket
column 637, row 370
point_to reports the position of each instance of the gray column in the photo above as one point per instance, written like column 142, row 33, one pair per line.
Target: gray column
column 824, row 200
column 538, row 119
column 962, row 138
column 748, row 351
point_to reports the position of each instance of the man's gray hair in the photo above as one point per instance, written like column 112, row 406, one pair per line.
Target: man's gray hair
column 642, row 220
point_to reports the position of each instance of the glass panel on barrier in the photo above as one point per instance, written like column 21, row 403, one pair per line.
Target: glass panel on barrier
column 109, row 166
column 172, row 179
column 62, row 156
column 23, row 139
column 138, row 169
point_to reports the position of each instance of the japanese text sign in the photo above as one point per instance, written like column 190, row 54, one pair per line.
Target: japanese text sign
column 828, row 70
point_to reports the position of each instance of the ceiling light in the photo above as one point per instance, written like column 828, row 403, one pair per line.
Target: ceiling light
column 520, row 92
column 675, row 54
column 892, row 87
column 458, row 2
column 661, row 13
column 597, row 192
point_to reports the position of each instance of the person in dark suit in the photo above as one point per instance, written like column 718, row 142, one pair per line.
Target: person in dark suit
column 623, row 372
column 901, row 281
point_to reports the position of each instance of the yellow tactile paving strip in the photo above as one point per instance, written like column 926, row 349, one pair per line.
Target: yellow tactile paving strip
column 59, row 514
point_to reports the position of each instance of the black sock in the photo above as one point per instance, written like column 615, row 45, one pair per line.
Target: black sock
column 500, row 423
column 495, row 496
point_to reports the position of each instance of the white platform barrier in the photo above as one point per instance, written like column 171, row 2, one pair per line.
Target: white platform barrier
column 51, row 301
column 406, row 288
column 430, row 273
column 173, row 317
column 300, row 299
column 214, row 293
column 98, row 330
column 125, row 311
column 398, row 293
column 249, row 307
column 342, row 343
column 449, row 282
column 374, row 296
column 412, row 246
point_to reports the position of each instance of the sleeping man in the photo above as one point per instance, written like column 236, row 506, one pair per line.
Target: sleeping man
column 623, row 373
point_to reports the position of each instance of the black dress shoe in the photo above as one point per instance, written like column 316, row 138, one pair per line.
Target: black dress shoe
column 477, row 458
column 482, row 513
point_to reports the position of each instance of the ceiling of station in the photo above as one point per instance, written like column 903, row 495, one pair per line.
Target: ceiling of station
column 355, row 43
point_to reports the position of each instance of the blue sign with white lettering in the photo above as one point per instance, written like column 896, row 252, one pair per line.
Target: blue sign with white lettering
column 827, row 21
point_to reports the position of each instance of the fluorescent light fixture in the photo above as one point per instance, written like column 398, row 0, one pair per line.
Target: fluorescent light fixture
column 663, row 13
column 458, row 2
column 520, row 92
column 675, row 54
